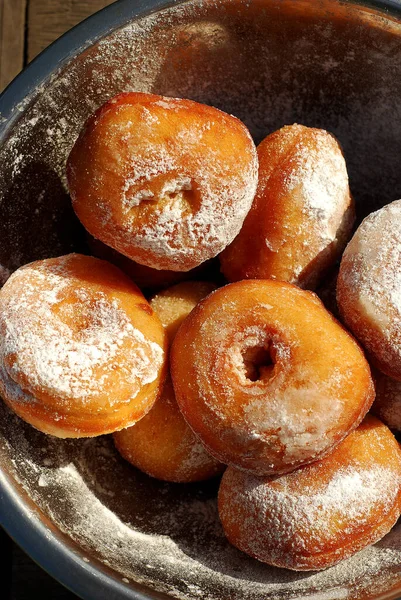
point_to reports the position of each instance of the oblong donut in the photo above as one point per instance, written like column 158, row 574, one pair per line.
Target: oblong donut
column 302, row 214
column 369, row 287
column 320, row 514
column 81, row 352
column 263, row 417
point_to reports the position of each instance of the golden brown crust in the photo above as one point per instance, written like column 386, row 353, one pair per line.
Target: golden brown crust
column 81, row 353
column 320, row 514
column 162, row 444
column 166, row 182
column 263, row 417
column 302, row 214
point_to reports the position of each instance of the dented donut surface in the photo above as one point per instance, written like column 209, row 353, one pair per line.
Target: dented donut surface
column 302, row 214
column 81, row 352
column 267, row 378
column 314, row 517
column 162, row 444
column 167, row 182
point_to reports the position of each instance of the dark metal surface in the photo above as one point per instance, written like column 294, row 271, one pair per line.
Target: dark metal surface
column 22, row 579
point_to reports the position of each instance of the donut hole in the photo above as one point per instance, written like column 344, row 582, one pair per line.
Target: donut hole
column 259, row 362
column 174, row 194
column 180, row 194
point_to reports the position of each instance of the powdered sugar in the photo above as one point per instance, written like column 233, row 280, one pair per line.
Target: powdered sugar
column 183, row 201
column 50, row 353
column 369, row 285
column 347, row 496
column 323, row 181
column 264, row 67
column 165, row 536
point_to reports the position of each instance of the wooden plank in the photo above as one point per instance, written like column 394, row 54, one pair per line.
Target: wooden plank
column 12, row 34
column 48, row 19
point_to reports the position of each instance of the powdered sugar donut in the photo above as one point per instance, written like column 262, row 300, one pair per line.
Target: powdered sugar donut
column 81, row 352
column 369, row 287
column 146, row 278
column 387, row 404
column 267, row 378
column 162, row 444
column 167, row 182
column 318, row 515
column 302, row 214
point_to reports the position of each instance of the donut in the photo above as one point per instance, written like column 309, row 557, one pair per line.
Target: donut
column 147, row 279
column 81, row 351
column 322, row 513
column 369, row 287
column 387, row 404
column 162, row 444
column 173, row 305
column 166, row 182
column 267, row 378
column 302, row 214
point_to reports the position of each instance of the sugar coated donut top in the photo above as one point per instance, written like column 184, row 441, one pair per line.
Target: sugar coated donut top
column 369, row 287
column 175, row 303
column 302, row 214
column 317, row 514
column 67, row 336
column 266, row 377
column 167, row 182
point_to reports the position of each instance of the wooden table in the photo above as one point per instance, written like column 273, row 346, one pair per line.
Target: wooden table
column 26, row 28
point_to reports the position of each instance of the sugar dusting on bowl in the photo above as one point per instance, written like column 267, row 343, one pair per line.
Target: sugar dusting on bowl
column 167, row 536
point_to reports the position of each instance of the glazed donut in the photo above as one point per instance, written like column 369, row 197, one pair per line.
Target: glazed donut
column 167, row 182
column 314, row 517
column 162, row 444
column 369, row 287
column 302, row 214
column 387, row 404
column 81, row 352
column 267, row 378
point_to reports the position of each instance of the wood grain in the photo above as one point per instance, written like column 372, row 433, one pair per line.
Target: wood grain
column 12, row 37
column 48, row 19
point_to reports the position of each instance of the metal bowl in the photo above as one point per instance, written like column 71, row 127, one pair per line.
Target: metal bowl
column 96, row 524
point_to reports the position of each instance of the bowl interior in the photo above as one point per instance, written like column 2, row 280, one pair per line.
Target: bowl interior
column 269, row 62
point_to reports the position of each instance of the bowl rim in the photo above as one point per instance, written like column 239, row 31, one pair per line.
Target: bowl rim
column 22, row 520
